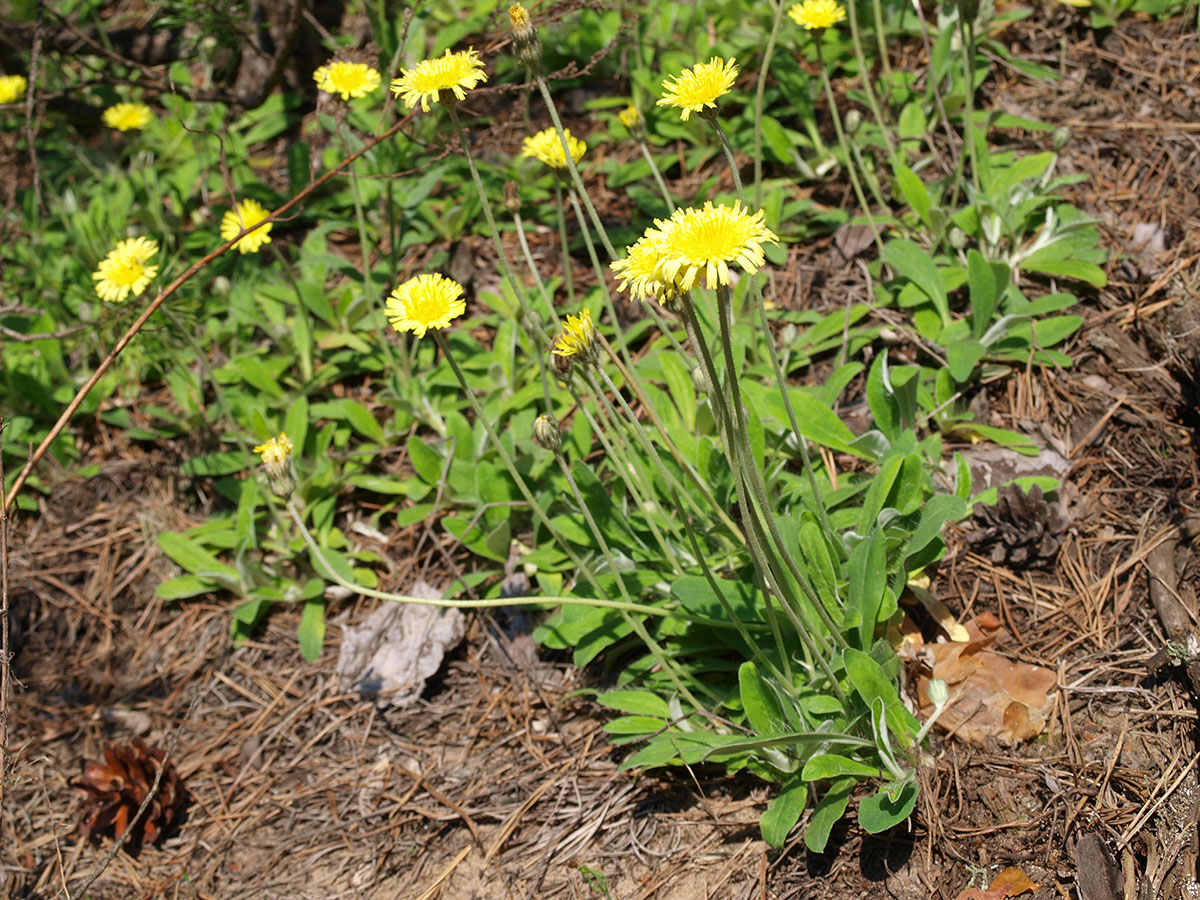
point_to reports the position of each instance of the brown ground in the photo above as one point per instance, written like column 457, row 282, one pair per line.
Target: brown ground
column 501, row 784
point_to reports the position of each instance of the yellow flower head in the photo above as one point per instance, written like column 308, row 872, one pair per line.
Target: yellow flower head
column 457, row 72
column 350, row 79
column 703, row 242
column 276, row 451
column 638, row 272
column 246, row 214
column 546, row 146
column 518, row 18
column 424, row 302
column 817, row 13
column 698, row 88
column 124, row 270
column 128, row 116
column 578, row 337
column 631, row 118
column 12, row 88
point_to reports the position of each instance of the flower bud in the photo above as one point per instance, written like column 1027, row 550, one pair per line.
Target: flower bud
column 632, row 119
column 852, row 122
column 526, row 45
column 546, row 433
column 957, row 238
column 939, row 693
column 276, row 456
column 512, row 197
column 1062, row 137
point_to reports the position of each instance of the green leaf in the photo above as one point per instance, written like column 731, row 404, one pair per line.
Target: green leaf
column 913, row 188
column 868, row 580
column 910, row 260
column 985, row 289
column 192, row 557
column 827, row 813
column 642, row 703
column 312, row 630
column 887, row 807
column 962, row 357
column 872, row 684
column 1068, row 268
column 295, row 423
column 186, row 586
column 697, row 596
column 223, row 462
column 635, row 725
column 426, row 462
column 830, row 765
column 939, row 510
column 759, row 702
column 783, row 812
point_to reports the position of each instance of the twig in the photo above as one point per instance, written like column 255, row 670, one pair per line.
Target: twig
column 166, row 292
column 3, row 640
column 30, row 124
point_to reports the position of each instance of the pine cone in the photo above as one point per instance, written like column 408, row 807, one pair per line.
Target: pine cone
column 115, row 790
column 1021, row 529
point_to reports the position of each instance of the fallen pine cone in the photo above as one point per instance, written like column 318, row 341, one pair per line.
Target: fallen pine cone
column 1020, row 530
column 115, row 790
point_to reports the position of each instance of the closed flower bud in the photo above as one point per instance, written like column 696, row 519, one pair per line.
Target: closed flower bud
column 1062, row 137
column 526, row 45
column 939, row 693
column 957, row 238
column 852, row 122
column 546, row 433
column 512, row 197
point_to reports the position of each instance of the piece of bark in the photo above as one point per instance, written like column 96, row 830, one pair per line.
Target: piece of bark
column 1096, row 873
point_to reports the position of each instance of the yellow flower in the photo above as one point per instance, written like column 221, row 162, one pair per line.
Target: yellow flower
column 631, row 118
column 698, row 88
column 245, row 215
column 518, row 18
column 817, row 13
column 1079, row 4
column 128, row 116
column 638, row 272
column 424, row 302
column 578, row 337
column 546, row 146
column 276, row 451
column 12, row 88
column 350, row 79
column 124, row 270
column 458, row 72
column 703, row 242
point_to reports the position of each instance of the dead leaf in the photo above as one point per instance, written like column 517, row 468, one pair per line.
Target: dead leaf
column 990, row 695
column 1009, row 883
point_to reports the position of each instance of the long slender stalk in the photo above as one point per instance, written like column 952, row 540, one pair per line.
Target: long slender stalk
column 865, row 72
column 563, row 243
column 759, row 91
column 662, row 185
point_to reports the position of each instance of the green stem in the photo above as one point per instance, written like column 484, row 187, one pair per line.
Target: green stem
column 868, row 86
column 568, row 274
column 572, row 168
column 759, row 91
column 662, row 185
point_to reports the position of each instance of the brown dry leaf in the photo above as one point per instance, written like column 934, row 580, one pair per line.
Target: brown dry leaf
column 1009, row 883
column 990, row 696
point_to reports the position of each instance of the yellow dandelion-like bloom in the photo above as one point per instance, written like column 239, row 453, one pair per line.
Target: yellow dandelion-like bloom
column 630, row 117
column 698, row 88
column 546, row 146
column 638, row 272
column 275, row 452
column 128, row 116
column 245, row 215
column 703, row 242
column 124, row 270
column 518, row 18
column 424, row 302
column 350, row 79
column 12, row 88
column 578, row 337
column 813, row 14
column 457, row 72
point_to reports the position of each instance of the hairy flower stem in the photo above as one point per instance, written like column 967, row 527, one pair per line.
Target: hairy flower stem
column 625, row 605
column 725, row 145
column 622, row 344
column 563, row 243
column 533, row 269
column 572, row 168
column 662, row 185
column 865, row 72
column 846, row 154
column 749, row 470
column 668, row 479
column 493, row 231
column 638, row 628
column 774, row 588
column 759, row 90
